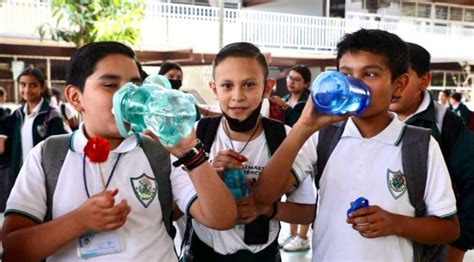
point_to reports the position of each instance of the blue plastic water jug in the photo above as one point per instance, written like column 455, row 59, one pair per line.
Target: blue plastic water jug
column 334, row 93
column 236, row 182
column 168, row 113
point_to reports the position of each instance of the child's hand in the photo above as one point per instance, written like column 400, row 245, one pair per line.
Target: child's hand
column 99, row 213
column 277, row 100
column 228, row 159
column 184, row 145
column 315, row 120
column 246, row 210
column 372, row 222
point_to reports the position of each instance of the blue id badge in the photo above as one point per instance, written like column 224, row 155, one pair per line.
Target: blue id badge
column 99, row 244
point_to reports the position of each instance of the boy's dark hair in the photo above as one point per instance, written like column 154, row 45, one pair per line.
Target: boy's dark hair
column 303, row 71
column 456, row 96
column 83, row 62
column 36, row 73
column 55, row 92
column 378, row 42
column 143, row 74
column 447, row 92
column 244, row 50
column 419, row 59
column 167, row 66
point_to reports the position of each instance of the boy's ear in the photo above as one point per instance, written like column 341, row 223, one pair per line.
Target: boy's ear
column 212, row 85
column 425, row 81
column 269, row 84
column 74, row 97
column 400, row 84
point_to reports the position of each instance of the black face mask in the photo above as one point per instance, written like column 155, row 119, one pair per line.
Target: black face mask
column 176, row 84
column 247, row 124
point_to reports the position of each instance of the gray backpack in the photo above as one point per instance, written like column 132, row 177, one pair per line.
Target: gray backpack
column 415, row 146
column 54, row 152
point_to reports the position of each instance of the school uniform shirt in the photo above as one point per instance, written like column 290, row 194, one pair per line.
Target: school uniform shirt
column 230, row 241
column 143, row 236
column 369, row 167
column 26, row 134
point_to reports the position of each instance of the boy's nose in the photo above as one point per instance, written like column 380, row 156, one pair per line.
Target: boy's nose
column 238, row 94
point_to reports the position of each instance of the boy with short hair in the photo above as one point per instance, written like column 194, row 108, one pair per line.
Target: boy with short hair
column 123, row 219
column 415, row 106
column 365, row 162
column 241, row 141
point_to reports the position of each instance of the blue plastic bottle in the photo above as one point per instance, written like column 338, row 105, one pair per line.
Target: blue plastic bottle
column 334, row 93
column 236, row 182
column 168, row 113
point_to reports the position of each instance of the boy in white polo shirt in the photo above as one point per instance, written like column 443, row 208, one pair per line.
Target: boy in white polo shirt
column 363, row 163
column 127, row 222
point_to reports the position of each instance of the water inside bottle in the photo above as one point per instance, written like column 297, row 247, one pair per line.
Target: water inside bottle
column 236, row 182
column 170, row 123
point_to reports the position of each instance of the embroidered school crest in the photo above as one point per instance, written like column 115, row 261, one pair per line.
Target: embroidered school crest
column 145, row 189
column 396, row 183
column 41, row 130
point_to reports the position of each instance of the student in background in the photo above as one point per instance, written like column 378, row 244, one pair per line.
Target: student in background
column 33, row 122
column 71, row 122
column 174, row 73
column 415, row 106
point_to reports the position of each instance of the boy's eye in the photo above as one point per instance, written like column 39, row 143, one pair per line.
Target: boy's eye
column 249, row 84
column 370, row 74
column 226, row 85
column 111, row 85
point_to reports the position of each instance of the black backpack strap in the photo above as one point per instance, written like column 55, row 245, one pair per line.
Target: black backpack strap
column 275, row 133
column 415, row 147
column 53, row 153
column 159, row 160
column 207, row 129
column 327, row 141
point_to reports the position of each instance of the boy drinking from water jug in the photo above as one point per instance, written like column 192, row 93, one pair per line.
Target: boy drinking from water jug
column 129, row 217
column 367, row 161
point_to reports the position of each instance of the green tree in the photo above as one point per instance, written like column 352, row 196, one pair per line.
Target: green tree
column 85, row 21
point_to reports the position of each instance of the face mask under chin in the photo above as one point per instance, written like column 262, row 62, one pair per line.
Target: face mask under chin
column 245, row 125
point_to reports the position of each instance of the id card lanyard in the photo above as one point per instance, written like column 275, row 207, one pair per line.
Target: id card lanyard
column 108, row 180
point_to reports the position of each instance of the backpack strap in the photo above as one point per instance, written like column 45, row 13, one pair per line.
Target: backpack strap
column 415, row 146
column 275, row 133
column 159, row 160
column 207, row 129
column 53, row 153
column 327, row 141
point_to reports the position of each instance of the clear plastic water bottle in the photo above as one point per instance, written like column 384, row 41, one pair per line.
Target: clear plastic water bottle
column 334, row 93
column 168, row 113
column 236, row 182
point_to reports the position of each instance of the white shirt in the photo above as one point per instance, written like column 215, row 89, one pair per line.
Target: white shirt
column 231, row 241
column 144, row 235
column 27, row 129
column 364, row 167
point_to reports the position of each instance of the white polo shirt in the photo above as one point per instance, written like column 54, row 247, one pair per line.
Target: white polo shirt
column 144, row 236
column 365, row 167
column 27, row 128
column 258, row 154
